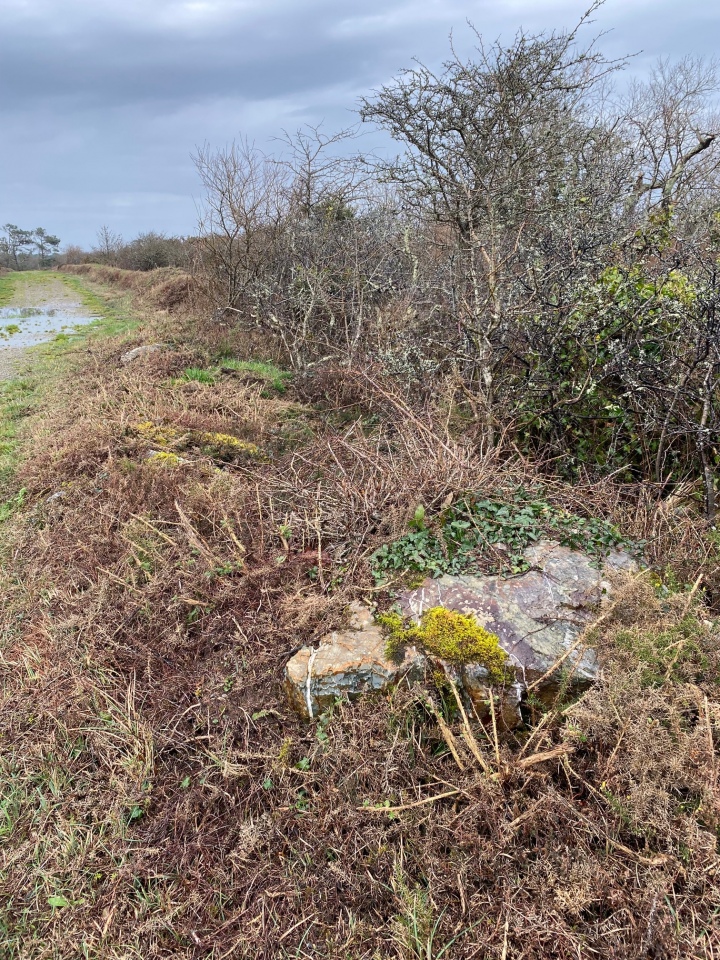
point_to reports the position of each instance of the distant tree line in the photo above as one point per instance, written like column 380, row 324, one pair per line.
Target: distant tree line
column 27, row 249
column 148, row 251
column 542, row 252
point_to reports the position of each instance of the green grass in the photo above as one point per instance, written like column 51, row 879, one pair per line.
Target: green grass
column 198, row 375
column 276, row 378
column 7, row 288
column 16, row 400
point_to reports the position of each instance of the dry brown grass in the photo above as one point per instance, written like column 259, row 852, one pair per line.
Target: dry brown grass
column 166, row 288
column 159, row 798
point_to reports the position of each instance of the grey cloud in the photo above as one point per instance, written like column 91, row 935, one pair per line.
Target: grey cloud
column 103, row 102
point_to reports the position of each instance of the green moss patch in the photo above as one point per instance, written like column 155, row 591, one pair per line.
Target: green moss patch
column 455, row 637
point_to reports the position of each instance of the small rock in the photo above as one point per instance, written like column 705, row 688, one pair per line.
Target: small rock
column 160, row 455
column 347, row 663
column 144, row 351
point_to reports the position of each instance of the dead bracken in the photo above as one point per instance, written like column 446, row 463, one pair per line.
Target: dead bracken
column 470, row 385
column 147, row 615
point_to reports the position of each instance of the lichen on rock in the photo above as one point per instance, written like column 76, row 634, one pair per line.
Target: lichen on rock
column 165, row 459
column 219, row 446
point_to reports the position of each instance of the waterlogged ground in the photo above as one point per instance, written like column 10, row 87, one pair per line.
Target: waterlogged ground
column 40, row 309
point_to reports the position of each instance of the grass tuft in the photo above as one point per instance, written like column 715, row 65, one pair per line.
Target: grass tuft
column 275, row 378
column 197, row 375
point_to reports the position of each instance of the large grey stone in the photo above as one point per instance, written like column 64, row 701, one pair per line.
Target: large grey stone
column 537, row 615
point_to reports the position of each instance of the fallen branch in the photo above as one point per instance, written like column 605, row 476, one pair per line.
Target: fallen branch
column 447, row 734
column 562, row 751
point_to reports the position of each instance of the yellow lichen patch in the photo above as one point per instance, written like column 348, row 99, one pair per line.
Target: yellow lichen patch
column 455, row 637
column 159, row 435
column 220, row 446
column 226, row 443
column 165, row 459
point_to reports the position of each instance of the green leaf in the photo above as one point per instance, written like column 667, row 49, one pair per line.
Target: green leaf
column 58, row 901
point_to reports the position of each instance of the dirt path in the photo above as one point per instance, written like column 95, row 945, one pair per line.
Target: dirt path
column 44, row 292
column 9, row 358
column 42, row 306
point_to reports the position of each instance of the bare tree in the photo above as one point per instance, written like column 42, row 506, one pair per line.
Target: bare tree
column 500, row 148
column 541, row 248
column 672, row 125
column 108, row 245
column 324, row 183
column 245, row 204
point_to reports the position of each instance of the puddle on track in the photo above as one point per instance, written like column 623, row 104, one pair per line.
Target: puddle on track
column 26, row 326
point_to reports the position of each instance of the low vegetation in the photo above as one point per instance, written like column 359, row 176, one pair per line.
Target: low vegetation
column 157, row 790
column 370, row 388
column 6, row 289
column 481, row 534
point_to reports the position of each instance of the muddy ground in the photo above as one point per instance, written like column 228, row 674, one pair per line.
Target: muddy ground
column 40, row 308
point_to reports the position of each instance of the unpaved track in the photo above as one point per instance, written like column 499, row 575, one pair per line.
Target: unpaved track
column 48, row 293
column 9, row 358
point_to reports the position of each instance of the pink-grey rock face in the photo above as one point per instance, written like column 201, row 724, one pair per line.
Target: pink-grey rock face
column 537, row 616
column 346, row 664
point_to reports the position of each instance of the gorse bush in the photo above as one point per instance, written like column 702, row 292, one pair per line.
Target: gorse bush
column 674, row 653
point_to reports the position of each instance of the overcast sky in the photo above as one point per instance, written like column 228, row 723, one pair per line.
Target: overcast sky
column 102, row 102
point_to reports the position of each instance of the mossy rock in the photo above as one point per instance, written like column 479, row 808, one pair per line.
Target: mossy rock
column 454, row 637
